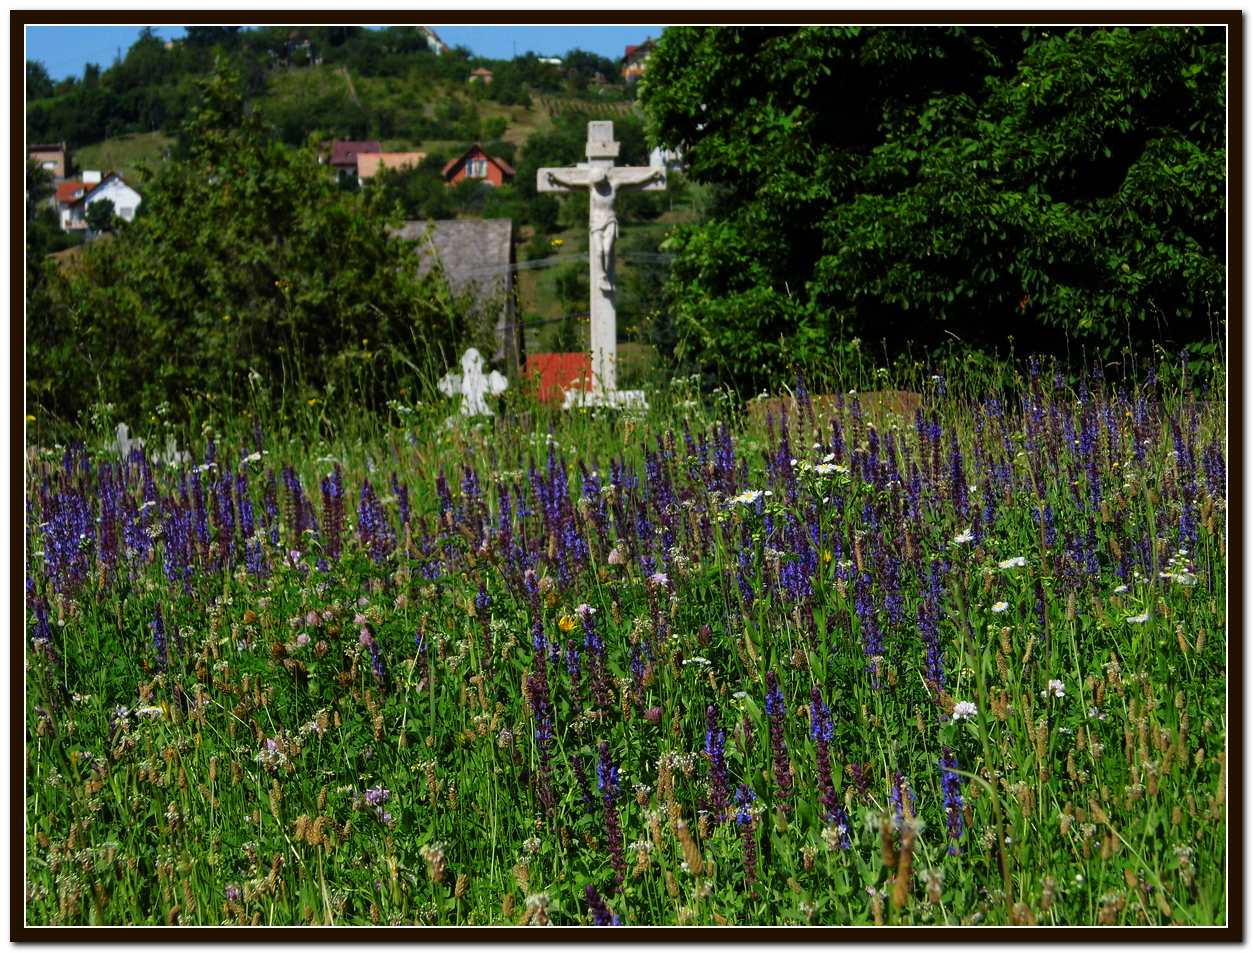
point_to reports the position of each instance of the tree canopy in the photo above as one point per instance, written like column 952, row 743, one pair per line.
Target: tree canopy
column 247, row 270
column 904, row 183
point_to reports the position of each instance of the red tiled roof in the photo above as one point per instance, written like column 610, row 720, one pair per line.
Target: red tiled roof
column 555, row 373
column 451, row 166
column 344, row 151
column 71, row 191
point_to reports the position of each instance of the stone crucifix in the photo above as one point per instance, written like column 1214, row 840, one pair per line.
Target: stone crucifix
column 602, row 179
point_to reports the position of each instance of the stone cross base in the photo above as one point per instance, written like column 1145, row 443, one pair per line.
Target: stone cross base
column 617, row 399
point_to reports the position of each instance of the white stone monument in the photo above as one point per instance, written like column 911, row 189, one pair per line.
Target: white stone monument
column 603, row 180
column 473, row 385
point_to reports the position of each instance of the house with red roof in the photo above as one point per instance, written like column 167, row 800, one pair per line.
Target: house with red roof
column 635, row 62
column 74, row 195
column 344, row 153
column 475, row 163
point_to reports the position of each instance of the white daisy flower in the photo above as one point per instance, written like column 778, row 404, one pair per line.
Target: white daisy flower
column 964, row 711
column 1014, row 562
column 965, row 537
column 1000, row 606
column 1138, row 619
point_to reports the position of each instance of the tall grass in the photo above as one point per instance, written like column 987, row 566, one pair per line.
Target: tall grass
column 674, row 667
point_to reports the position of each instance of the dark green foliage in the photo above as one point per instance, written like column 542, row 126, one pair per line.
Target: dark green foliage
column 38, row 82
column 43, row 233
column 249, row 273
column 100, row 215
column 992, row 183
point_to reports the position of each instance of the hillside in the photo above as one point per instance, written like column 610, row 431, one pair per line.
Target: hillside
column 316, row 81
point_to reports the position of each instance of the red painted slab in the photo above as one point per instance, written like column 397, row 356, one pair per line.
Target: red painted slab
column 554, row 374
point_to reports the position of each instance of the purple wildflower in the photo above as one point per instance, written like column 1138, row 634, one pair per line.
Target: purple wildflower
column 951, row 784
column 602, row 916
column 159, row 645
column 744, row 819
column 607, row 781
column 777, row 710
column 715, row 750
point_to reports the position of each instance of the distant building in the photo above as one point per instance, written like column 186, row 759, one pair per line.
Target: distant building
column 481, row 75
column 551, row 60
column 476, row 256
column 669, row 159
column 635, row 62
column 477, row 164
column 344, row 153
column 51, row 157
column 436, row 45
column 370, row 163
column 75, row 195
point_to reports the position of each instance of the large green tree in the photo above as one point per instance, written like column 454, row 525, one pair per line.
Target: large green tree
column 905, row 183
column 247, row 269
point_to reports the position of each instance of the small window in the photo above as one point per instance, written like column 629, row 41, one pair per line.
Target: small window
column 476, row 169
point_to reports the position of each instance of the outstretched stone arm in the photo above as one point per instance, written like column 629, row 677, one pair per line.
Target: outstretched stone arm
column 636, row 175
column 568, row 178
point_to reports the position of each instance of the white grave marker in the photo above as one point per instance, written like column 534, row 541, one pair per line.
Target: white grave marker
column 473, row 385
column 602, row 179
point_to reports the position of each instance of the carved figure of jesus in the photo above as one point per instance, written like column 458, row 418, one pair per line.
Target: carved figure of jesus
column 603, row 180
column 602, row 186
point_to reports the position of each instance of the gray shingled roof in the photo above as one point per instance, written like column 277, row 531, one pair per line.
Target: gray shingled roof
column 476, row 255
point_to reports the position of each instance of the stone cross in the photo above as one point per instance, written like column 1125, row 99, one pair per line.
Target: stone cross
column 602, row 179
column 472, row 384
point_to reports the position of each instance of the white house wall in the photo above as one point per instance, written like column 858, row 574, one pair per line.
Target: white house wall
column 125, row 199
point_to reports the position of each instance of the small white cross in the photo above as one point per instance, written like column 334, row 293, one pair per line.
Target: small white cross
column 473, row 385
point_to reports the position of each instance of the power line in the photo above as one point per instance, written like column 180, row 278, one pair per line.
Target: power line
column 659, row 258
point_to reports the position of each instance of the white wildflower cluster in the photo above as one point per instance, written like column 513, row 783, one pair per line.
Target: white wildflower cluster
column 1178, row 570
column 964, row 711
column 748, row 497
column 1014, row 562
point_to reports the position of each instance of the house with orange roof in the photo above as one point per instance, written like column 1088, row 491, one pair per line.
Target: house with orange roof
column 369, row 164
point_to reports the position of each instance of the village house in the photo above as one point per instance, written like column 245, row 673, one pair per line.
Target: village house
column 51, row 157
column 481, row 75
column 475, row 163
column 477, row 259
column 73, row 196
column 635, row 62
column 369, row 164
column 344, row 153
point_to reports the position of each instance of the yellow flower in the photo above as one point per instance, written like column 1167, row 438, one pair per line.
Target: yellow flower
column 226, row 319
column 557, row 242
column 312, row 401
column 30, row 418
column 566, row 624
column 826, row 556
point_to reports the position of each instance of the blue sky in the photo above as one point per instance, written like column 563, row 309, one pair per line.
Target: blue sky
column 65, row 50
